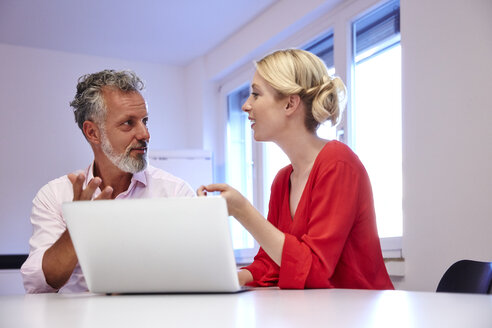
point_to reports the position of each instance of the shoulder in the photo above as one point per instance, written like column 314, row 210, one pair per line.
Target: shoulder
column 282, row 177
column 157, row 177
column 337, row 160
column 285, row 171
column 336, row 152
column 56, row 191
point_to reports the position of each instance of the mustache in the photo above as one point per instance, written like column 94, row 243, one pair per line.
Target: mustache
column 139, row 144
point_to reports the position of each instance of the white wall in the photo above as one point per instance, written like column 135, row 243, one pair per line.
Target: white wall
column 447, row 136
column 11, row 282
column 447, row 141
column 40, row 140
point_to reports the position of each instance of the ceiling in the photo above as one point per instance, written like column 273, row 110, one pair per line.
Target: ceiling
column 167, row 32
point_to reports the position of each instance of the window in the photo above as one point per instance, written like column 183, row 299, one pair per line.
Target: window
column 371, row 127
column 323, row 48
column 239, row 170
column 376, row 110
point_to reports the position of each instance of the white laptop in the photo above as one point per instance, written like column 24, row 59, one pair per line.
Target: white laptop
column 162, row 245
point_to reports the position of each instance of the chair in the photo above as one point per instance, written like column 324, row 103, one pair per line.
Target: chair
column 467, row 276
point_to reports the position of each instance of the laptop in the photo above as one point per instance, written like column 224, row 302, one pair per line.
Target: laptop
column 161, row 245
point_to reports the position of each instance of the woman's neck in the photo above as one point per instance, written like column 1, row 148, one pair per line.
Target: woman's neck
column 302, row 150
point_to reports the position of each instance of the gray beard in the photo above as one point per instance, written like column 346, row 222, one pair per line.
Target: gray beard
column 123, row 161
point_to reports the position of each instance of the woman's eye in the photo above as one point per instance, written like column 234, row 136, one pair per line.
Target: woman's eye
column 254, row 94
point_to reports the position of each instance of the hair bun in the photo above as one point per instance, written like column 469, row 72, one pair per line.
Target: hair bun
column 329, row 100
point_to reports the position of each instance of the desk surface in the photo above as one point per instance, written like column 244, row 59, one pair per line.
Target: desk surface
column 255, row 308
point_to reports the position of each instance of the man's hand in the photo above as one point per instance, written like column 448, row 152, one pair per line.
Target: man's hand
column 86, row 194
column 60, row 259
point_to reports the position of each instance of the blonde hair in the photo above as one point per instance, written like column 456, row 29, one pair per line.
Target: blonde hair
column 300, row 72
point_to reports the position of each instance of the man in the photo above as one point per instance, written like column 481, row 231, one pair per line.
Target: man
column 112, row 115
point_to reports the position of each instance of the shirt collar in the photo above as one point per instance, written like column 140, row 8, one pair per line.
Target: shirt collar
column 140, row 177
column 89, row 174
column 137, row 177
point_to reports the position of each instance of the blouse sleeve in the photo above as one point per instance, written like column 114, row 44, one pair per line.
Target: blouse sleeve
column 310, row 261
column 263, row 270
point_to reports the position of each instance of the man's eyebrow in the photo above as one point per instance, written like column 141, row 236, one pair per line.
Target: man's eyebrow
column 127, row 117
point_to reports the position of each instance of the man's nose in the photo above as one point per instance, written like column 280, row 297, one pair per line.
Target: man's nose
column 143, row 132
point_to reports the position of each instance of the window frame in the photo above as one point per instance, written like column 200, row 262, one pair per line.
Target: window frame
column 390, row 246
column 241, row 79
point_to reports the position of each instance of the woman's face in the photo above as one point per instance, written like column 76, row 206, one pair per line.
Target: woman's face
column 265, row 109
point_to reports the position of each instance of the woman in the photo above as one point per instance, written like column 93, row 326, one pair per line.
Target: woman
column 321, row 229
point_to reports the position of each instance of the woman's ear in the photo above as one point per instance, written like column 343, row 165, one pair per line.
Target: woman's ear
column 293, row 103
column 91, row 132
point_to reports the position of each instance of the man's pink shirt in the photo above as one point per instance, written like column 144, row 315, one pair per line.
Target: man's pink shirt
column 48, row 222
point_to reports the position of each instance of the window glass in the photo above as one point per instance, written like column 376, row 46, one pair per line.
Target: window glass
column 376, row 111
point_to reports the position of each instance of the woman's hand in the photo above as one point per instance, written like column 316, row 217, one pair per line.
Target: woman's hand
column 244, row 276
column 237, row 204
column 270, row 238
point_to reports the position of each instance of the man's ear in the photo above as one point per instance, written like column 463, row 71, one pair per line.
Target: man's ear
column 92, row 132
column 293, row 103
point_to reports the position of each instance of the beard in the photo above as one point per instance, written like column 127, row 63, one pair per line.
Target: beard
column 124, row 161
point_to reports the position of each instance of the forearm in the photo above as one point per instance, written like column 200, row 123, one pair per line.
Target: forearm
column 59, row 261
column 269, row 237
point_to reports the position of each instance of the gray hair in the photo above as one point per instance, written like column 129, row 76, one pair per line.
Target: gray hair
column 88, row 103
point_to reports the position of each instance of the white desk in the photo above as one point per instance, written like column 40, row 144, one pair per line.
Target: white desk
column 257, row 308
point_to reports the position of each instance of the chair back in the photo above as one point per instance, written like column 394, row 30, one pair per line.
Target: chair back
column 467, row 276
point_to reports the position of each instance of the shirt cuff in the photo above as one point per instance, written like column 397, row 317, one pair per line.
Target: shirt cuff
column 33, row 275
column 255, row 272
column 296, row 263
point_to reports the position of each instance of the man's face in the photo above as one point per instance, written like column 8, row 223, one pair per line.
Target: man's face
column 124, row 134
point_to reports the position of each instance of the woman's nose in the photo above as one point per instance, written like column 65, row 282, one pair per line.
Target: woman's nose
column 246, row 106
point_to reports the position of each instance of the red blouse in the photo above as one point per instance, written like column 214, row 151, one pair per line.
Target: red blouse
column 332, row 241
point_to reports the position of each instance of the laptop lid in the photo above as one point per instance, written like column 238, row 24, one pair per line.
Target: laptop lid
column 153, row 245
